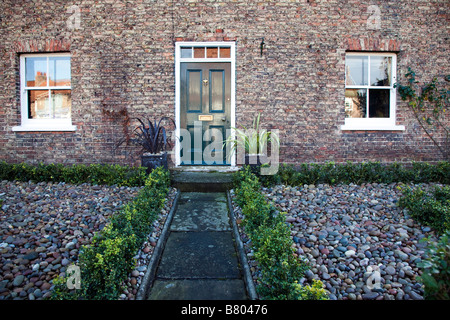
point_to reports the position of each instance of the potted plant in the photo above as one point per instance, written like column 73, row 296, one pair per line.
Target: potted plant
column 153, row 140
column 253, row 142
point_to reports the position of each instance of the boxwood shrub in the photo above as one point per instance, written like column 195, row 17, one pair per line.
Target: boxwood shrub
column 430, row 208
column 364, row 172
column 106, row 262
column 436, row 268
column 101, row 174
column 271, row 242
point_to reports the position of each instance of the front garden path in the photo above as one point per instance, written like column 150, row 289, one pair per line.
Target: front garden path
column 199, row 260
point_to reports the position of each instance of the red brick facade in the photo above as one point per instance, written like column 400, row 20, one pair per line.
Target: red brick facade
column 122, row 61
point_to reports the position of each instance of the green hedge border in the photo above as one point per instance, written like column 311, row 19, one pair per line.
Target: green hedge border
column 269, row 233
column 106, row 262
column 364, row 172
column 100, row 174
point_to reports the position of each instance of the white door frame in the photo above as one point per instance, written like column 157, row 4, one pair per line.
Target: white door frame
column 179, row 60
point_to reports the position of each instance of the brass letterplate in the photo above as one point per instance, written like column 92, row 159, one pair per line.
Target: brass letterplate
column 205, row 117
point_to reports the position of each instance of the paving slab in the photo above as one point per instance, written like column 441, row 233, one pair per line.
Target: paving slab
column 201, row 181
column 207, row 254
column 201, row 212
column 200, row 260
column 200, row 289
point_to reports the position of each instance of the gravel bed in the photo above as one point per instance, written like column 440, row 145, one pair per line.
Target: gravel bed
column 358, row 242
column 43, row 226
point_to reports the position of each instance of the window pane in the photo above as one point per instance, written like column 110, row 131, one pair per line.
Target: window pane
column 379, row 103
column 186, row 52
column 38, row 104
column 36, row 72
column 59, row 70
column 380, row 71
column 61, row 104
column 199, row 52
column 212, row 52
column 355, row 103
column 225, row 52
column 356, row 70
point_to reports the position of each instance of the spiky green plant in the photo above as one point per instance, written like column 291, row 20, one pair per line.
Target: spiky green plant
column 253, row 140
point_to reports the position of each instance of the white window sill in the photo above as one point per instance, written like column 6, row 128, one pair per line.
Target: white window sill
column 370, row 128
column 372, row 124
column 42, row 128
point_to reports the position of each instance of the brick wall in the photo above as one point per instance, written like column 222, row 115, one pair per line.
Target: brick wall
column 123, row 59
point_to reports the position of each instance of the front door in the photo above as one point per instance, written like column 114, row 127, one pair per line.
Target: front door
column 205, row 105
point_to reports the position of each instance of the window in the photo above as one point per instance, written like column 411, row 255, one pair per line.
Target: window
column 369, row 91
column 45, row 86
column 206, row 52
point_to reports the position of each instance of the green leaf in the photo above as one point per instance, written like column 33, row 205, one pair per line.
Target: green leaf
column 429, row 281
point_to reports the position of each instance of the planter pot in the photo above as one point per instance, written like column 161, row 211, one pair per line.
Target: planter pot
column 151, row 161
column 255, row 160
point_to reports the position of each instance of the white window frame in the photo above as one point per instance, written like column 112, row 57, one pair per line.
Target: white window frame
column 375, row 123
column 40, row 124
column 179, row 60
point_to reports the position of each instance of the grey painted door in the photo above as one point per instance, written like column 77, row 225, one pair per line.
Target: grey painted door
column 205, row 105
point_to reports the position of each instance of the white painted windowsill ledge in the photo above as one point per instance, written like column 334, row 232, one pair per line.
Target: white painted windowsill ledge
column 369, row 128
column 43, row 129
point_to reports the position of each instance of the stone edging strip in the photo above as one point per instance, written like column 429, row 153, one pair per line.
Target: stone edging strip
column 242, row 256
column 149, row 276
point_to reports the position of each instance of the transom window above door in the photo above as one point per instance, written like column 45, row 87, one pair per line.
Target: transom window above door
column 370, row 96
column 206, row 52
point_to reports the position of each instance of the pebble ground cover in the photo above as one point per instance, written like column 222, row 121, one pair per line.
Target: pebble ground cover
column 44, row 225
column 357, row 240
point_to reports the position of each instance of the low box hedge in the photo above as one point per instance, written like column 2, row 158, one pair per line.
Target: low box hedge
column 100, row 174
column 364, row 172
column 269, row 233
column 106, row 262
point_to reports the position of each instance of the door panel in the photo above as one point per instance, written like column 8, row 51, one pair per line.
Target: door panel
column 205, row 109
column 217, row 91
column 194, row 92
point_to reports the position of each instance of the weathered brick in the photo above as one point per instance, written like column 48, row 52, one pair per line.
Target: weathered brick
column 123, row 56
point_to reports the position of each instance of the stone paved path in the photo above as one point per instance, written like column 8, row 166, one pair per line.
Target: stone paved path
column 199, row 260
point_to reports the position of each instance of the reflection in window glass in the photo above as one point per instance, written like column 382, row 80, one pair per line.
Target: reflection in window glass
column 199, row 52
column 212, row 52
column 36, row 72
column 356, row 70
column 61, row 104
column 379, row 103
column 225, row 52
column 59, row 70
column 38, row 104
column 380, row 71
column 355, row 103
column 186, row 52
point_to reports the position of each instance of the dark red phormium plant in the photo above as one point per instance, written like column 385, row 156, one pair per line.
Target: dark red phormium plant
column 152, row 137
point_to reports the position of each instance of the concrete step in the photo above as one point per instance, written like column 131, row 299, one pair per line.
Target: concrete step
column 202, row 181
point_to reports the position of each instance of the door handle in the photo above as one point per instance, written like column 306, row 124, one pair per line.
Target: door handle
column 205, row 82
column 224, row 119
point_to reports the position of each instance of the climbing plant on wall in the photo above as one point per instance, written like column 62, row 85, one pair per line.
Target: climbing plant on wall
column 429, row 105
